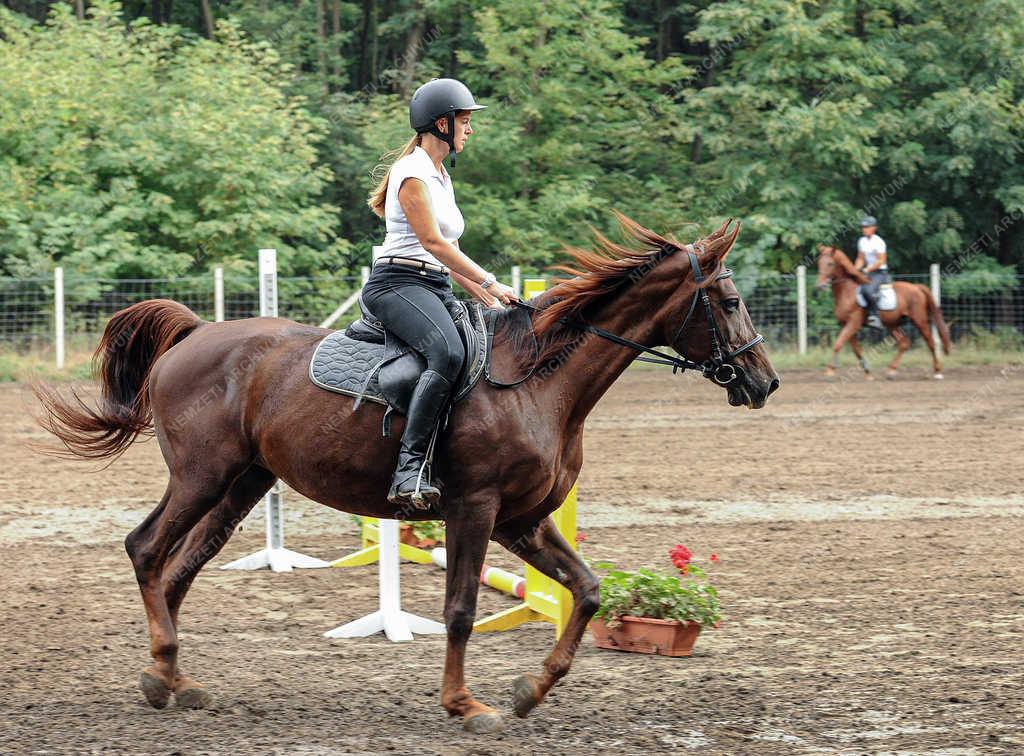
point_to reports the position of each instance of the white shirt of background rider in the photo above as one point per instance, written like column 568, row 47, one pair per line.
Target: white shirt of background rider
column 401, row 240
column 872, row 248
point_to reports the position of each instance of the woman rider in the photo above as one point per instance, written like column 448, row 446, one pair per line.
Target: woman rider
column 409, row 289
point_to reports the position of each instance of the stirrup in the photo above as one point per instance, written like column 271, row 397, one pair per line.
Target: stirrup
column 421, row 497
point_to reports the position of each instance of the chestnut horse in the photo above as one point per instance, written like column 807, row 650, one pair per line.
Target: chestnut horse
column 913, row 301
column 232, row 407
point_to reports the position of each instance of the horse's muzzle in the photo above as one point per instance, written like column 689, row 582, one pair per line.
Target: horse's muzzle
column 750, row 393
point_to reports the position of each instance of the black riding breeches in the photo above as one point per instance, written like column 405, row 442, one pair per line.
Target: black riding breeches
column 419, row 309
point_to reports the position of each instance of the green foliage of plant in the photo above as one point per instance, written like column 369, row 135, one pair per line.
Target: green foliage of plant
column 820, row 112
column 423, row 530
column 1004, row 342
column 981, row 275
column 649, row 593
column 428, row 529
column 144, row 152
column 151, row 151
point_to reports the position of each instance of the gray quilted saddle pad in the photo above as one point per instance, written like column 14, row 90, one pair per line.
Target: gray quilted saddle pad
column 342, row 364
column 387, row 373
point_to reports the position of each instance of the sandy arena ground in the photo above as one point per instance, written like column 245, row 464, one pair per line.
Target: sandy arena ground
column 872, row 572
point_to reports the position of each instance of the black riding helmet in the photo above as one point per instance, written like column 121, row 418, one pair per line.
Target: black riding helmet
column 436, row 98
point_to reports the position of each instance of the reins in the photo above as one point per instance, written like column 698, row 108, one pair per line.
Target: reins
column 719, row 368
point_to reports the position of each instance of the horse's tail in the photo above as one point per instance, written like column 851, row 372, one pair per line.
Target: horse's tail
column 935, row 313
column 133, row 340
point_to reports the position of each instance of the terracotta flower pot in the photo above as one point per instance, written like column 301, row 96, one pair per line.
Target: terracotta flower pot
column 647, row 636
column 407, row 536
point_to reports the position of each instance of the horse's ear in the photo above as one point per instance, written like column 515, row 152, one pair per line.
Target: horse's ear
column 719, row 232
column 721, row 241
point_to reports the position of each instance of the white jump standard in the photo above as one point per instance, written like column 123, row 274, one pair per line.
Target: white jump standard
column 396, row 624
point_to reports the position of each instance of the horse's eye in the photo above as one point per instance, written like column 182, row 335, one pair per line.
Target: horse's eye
column 731, row 305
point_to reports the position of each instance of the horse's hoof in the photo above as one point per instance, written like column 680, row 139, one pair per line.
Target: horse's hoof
column 154, row 689
column 189, row 694
column 525, row 695
column 869, row 377
column 937, row 377
column 890, row 374
column 484, row 723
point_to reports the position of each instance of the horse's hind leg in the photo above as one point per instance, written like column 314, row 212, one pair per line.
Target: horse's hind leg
column 198, row 547
column 188, row 498
column 922, row 324
column 902, row 345
column 544, row 547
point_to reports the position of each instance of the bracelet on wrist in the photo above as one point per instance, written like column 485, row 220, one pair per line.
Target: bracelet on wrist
column 488, row 281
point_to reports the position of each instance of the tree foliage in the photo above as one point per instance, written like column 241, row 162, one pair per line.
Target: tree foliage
column 134, row 145
column 145, row 152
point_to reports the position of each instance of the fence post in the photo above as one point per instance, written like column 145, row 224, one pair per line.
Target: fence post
column 517, row 280
column 801, row 308
column 365, row 273
column 218, row 294
column 936, row 287
column 275, row 555
column 58, row 314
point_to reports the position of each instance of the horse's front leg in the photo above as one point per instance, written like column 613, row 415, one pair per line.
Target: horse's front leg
column 543, row 547
column 469, row 523
column 857, row 350
column 849, row 329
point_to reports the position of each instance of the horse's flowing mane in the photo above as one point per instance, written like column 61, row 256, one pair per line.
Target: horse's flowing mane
column 599, row 275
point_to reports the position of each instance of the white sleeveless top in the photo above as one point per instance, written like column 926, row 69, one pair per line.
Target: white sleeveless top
column 401, row 239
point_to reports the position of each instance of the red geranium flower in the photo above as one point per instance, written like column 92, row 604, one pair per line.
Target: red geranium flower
column 714, row 557
column 680, row 556
column 581, row 537
column 680, row 552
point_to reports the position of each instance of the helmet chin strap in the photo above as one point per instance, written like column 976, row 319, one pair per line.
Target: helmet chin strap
column 448, row 138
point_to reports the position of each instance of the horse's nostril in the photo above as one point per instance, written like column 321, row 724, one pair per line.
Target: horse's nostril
column 773, row 386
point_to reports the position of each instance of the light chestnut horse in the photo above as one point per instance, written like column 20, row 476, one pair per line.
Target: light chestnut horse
column 913, row 301
column 233, row 409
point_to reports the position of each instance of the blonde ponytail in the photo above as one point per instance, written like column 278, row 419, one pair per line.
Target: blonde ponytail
column 379, row 194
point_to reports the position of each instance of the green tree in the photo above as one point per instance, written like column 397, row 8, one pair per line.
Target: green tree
column 144, row 152
column 907, row 110
column 570, row 132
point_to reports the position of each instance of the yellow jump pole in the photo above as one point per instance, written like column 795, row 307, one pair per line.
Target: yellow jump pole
column 545, row 599
column 370, row 551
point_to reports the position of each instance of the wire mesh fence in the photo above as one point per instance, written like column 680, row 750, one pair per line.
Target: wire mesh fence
column 994, row 316
column 26, row 311
column 989, row 316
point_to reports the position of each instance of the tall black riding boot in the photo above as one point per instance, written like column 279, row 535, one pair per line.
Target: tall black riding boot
column 428, row 401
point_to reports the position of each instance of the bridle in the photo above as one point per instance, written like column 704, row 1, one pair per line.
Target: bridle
column 720, row 367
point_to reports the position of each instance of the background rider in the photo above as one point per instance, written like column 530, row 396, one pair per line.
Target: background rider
column 872, row 259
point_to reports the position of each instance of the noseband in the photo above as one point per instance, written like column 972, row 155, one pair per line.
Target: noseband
column 720, row 367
